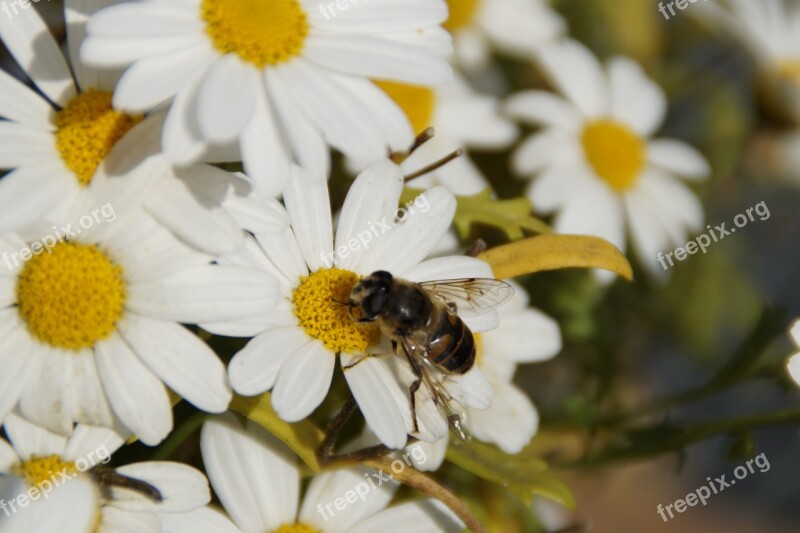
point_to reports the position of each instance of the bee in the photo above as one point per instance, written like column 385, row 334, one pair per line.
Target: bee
column 424, row 323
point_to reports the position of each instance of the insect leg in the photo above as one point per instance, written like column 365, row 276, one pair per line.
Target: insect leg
column 362, row 359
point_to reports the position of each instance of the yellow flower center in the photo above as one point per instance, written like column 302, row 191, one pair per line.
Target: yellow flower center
column 418, row 103
column 315, row 304
column 38, row 470
column 462, row 14
column 261, row 32
column 72, row 297
column 87, row 130
column 296, row 528
column 616, row 153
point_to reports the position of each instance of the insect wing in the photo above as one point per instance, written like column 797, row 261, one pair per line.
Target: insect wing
column 471, row 296
column 447, row 400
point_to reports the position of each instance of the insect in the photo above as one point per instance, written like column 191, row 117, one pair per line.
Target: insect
column 424, row 322
column 107, row 479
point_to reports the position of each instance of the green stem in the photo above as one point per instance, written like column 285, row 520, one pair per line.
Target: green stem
column 179, row 436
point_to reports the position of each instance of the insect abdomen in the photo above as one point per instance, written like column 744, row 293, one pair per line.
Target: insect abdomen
column 457, row 355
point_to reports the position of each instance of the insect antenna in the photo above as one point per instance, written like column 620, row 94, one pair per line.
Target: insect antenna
column 437, row 164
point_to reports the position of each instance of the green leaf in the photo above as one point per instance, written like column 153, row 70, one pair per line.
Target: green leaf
column 525, row 476
column 511, row 216
column 302, row 437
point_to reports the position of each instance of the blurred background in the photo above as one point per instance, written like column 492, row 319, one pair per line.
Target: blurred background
column 618, row 424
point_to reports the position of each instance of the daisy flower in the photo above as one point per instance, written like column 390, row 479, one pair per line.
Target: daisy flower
column 295, row 347
column 257, row 480
column 525, row 335
column 49, row 483
column 70, row 151
column 594, row 162
column 794, row 361
column 281, row 79
column 515, row 27
column 92, row 327
column 462, row 118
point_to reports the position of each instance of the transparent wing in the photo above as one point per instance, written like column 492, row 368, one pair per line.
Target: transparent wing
column 471, row 296
column 453, row 411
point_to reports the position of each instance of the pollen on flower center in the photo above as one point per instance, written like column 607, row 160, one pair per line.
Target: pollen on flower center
column 616, row 153
column 315, row 304
column 296, row 528
column 258, row 31
column 418, row 103
column 87, row 130
column 462, row 14
column 38, row 470
column 72, row 297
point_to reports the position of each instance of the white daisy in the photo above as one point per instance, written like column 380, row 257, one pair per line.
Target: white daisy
column 461, row 118
column 70, row 152
column 515, row 27
column 280, row 79
column 258, row 482
column 793, row 364
column 293, row 352
column 525, row 335
column 48, row 486
column 594, row 161
column 92, row 327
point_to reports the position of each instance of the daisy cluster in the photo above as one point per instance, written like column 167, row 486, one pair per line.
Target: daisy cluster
column 213, row 128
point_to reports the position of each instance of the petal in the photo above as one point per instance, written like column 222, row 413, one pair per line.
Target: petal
column 524, row 336
column 309, row 209
column 425, row 516
column 635, row 99
column 543, row 151
column 48, row 399
column 255, row 368
column 119, row 521
column 254, row 475
column 303, row 381
column 185, row 363
column 678, row 157
column 227, row 98
column 182, row 487
column 387, row 16
column 28, row 193
column 793, row 367
column 511, row 421
column 428, row 456
column 540, row 108
column 138, row 397
column 203, row 520
column 92, row 444
column 32, row 440
column 476, row 388
column 28, row 39
column 15, row 360
column 577, row 74
column 20, row 104
column 372, row 199
column 90, row 403
column 25, row 145
column 182, row 141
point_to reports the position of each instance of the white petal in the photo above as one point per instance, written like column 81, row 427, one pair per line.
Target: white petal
column 138, row 398
column 525, row 336
column 635, row 99
column 793, row 366
column 477, row 389
column 203, row 520
column 182, row 141
column 511, row 421
column 647, row 230
column 376, row 58
column 381, row 396
column 25, row 145
column 8, row 457
column 557, row 186
column 578, row 75
column 30, row 42
column 541, row 108
column 328, row 486
column 48, row 398
column 21, row 104
column 386, row 16
column 89, row 399
column 180, row 359
column 118, row 521
column 92, row 444
column 255, row 368
column 18, row 367
column 32, row 440
column 182, row 487
column 425, row 516
column 593, row 210
column 428, row 456
column 227, row 98
column 254, row 475
column 373, row 198
column 28, row 193
column 543, row 150
column 205, row 294
column 412, row 239
column 303, row 381
column 678, row 157
column 309, row 209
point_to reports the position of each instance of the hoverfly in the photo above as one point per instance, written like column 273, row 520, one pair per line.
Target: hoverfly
column 424, row 323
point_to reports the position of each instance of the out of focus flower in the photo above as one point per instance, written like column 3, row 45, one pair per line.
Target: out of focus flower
column 515, row 27
column 462, row 118
column 794, row 361
column 57, row 477
column 594, row 162
column 525, row 335
column 257, row 480
column 281, row 80
column 70, row 151
column 295, row 346
column 92, row 327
